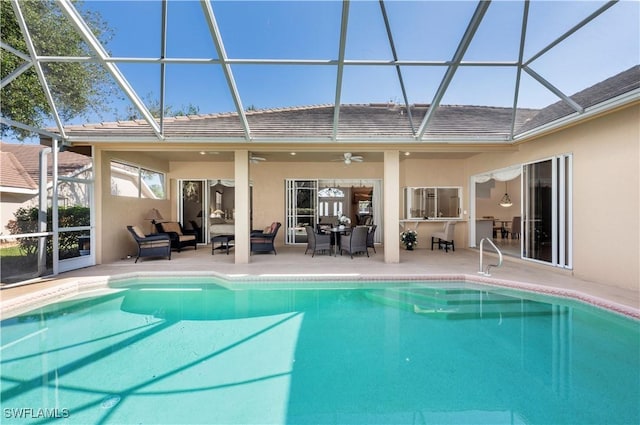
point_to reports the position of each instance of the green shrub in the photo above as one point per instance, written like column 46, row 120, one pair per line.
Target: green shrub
column 26, row 221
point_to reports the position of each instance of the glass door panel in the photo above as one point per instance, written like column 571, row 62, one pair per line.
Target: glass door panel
column 537, row 220
column 192, row 206
column 547, row 211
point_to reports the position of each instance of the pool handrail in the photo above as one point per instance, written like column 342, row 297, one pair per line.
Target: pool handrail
column 486, row 273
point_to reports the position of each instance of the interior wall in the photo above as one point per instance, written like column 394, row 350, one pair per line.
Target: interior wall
column 430, row 173
column 606, row 191
column 490, row 205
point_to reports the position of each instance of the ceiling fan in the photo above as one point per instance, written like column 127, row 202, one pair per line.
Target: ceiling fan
column 256, row 159
column 348, row 157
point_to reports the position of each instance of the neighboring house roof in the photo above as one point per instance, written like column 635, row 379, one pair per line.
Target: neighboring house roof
column 371, row 121
column 20, row 165
column 13, row 176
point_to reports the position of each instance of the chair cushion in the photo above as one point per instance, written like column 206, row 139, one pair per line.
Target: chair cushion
column 155, row 244
column 139, row 233
column 172, row 226
column 183, row 238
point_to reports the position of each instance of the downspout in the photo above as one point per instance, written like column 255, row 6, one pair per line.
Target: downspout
column 42, row 212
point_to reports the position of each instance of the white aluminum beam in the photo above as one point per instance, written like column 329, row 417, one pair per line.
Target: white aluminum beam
column 226, row 67
column 455, row 62
column 571, row 31
column 516, row 91
column 39, row 72
column 554, row 89
column 96, row 46
column 341, row 51
column 395, row 59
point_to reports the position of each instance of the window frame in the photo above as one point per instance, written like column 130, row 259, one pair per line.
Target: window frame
column 139, row 179
column 408, row 203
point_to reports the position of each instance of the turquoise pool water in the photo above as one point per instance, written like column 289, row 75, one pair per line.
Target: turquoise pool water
column 414, row 353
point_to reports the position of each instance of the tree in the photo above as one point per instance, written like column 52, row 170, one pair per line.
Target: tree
column 153, row 104
column 77, row 88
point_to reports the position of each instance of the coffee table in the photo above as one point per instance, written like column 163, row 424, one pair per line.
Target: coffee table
column 223, row 240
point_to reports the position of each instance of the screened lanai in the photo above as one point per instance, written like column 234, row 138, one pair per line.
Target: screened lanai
column 162, row 58
column 179, row 87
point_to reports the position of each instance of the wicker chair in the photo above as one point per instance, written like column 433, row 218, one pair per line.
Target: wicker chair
column 356, row 242
column 317, row 241
column 262, row 240
column 158, row 245
column 370, row 237
column 179, row 237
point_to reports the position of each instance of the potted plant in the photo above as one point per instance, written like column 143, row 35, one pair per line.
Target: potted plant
column 409, row 239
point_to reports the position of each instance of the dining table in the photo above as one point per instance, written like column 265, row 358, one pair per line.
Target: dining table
column 336, row 233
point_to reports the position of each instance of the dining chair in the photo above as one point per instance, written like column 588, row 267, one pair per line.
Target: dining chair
column 370, row 237
column 444, row 238
column 317, row 241
column 356, row 242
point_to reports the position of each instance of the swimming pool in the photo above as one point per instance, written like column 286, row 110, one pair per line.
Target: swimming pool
column 208, row 351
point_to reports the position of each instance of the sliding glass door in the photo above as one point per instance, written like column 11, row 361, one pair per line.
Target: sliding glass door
column 547, row 210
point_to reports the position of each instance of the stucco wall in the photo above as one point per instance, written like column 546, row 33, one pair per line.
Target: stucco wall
column 268, row 180
column 606, row 191
column 116, row 212
column 436, row 172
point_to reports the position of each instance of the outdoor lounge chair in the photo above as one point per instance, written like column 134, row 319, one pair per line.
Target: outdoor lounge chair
column 158, row 245
column 179, row 237
column 317, row 241
column 262, row 240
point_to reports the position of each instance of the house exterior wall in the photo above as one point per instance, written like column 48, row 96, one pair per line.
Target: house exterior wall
column 606, row 191
column 116, row 212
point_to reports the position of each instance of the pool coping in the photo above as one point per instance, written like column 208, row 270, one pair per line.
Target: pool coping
column 74, row 287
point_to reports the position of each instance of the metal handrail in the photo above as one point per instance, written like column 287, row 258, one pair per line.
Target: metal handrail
column 486, row 273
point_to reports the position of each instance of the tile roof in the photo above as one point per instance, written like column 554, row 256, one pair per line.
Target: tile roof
column 365, row 121
column 610, row 88
column 13, row 174
column 355, row 121
column 27, row 160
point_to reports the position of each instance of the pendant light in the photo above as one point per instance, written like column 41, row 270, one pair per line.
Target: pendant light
column 506, row 200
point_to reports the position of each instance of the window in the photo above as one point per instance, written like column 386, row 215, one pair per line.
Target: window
column 432, row 202
column 137, row 182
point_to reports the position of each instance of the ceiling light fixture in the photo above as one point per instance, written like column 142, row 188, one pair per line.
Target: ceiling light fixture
column 506, row 200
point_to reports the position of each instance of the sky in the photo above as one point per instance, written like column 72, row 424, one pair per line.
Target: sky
column 310, row 30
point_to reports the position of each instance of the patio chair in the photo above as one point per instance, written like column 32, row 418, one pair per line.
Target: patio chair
column 158, row 245
column 179, row 237
column 370, row 237
column 356, row 242
column 444, row 238
column 317, row 241
column 262, row 240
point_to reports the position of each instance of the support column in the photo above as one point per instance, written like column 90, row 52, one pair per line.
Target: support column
column 242, row 207
column 391, row 202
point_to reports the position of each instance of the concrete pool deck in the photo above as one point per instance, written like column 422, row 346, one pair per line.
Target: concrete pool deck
column 291, row 263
